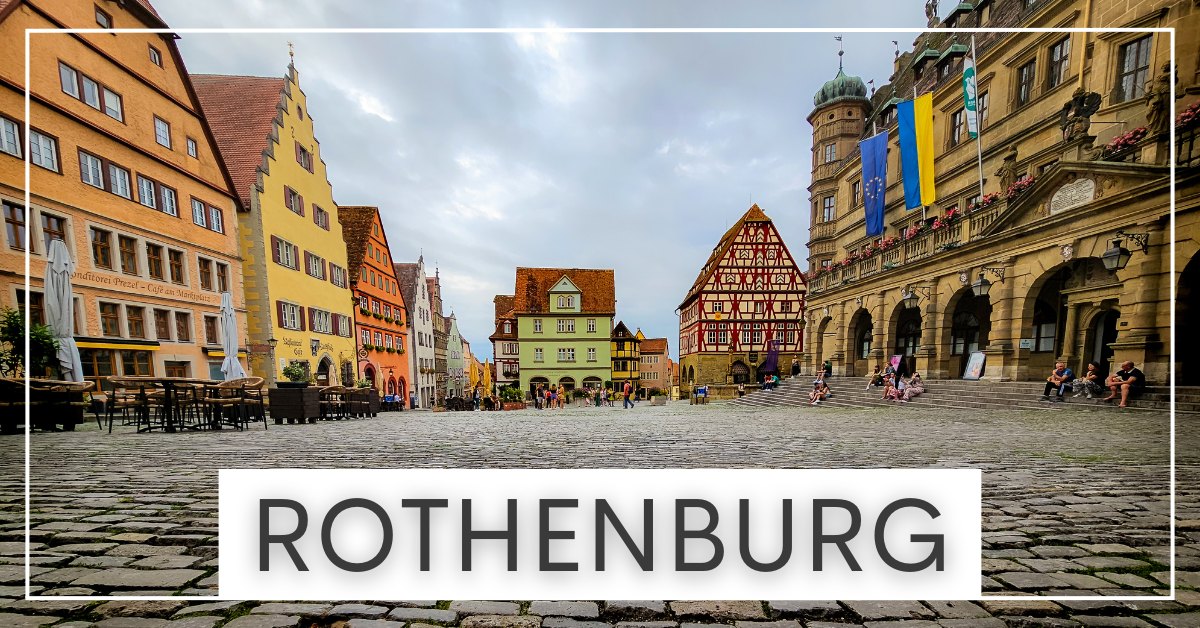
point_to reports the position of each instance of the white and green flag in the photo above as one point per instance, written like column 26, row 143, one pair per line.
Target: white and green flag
column 970, row 95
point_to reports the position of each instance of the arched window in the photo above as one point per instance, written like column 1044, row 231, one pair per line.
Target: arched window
column 964, row 334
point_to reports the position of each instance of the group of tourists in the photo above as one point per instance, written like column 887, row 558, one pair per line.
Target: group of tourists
column 549, row 397
column 896, row 387
column 1125, row 384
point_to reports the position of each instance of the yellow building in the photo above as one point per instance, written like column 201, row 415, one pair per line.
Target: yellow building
column 298, row 298
column 1065, row 252
column 124, row 170
column 626, row 359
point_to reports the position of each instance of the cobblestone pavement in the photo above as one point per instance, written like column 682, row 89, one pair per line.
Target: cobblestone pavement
column 1074, row 503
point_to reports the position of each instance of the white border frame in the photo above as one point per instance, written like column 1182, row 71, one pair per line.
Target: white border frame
column 555, row 30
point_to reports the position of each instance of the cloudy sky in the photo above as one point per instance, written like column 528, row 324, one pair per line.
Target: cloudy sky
column 625, row 151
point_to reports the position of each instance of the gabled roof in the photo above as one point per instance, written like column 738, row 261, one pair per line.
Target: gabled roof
column 598, row 288
column 654, row 345
column 357, row 224
column 242, row 112
column 621, row 331
column 504, row 306
column 754, row 214
column 406, row 276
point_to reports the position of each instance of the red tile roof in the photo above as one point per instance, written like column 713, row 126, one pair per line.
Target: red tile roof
column 599, row 288
column 356, row 231
column 504, row 306
column 242, row 112
column 406, row 276
column 654, row 345
column 754, row 214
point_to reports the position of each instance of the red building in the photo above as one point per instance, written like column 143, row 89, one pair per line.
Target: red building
column 744, row 316
column 381, row 322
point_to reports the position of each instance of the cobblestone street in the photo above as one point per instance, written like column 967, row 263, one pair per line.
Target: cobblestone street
column 1075, row 503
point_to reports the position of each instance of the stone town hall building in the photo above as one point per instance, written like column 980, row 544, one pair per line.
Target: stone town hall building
column 1067, row 253
column 745, row 310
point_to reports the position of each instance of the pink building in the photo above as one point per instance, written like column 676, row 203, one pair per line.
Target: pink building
column 655, row 366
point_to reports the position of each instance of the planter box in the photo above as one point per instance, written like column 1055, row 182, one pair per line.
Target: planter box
column 294, row 404
column 513, row 405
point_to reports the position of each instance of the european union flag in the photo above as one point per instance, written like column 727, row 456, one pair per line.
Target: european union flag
column 874, row 180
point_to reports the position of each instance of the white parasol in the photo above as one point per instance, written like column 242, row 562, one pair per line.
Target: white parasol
column 231, row 367
column 60, row 309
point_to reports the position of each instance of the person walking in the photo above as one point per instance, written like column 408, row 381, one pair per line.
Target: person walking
column 627, row 393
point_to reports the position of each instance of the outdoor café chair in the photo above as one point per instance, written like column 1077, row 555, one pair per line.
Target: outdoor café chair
column 226, row 403
column 333, row 402
column 130, row 398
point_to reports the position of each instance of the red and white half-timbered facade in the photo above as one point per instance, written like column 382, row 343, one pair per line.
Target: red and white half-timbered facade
column 749, row 294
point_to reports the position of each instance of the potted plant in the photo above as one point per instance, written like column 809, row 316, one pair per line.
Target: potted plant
column 297, row 376
column 43, row 347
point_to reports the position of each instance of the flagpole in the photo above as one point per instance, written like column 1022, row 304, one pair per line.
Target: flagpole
column 978, row 120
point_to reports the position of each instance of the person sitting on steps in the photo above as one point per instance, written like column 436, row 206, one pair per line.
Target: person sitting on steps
column 1059, row 379
column 874, row 379
column 820, row 392
column 1128, row 382
column 1090, row 383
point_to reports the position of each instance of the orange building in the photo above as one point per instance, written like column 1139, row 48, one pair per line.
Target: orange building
column 381, row 324
column 125, row 171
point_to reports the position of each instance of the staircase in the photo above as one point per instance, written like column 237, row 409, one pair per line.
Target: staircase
column 962, row 394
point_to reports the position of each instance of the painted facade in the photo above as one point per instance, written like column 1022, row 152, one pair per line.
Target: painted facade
column 505, row 349
column 296, row 277
column 380, row 323
column 626, row 357
column 415, row 291
column 119, row 153
column 441, row 339
column 564, row 325
column 655, row 369
column 748, row 296
column 1018, row 273
column 456, row 372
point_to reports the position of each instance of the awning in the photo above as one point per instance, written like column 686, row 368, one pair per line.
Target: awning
column 218, row 353
column 118, row 344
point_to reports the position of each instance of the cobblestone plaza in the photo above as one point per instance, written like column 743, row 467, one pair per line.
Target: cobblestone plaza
column 1075, row 503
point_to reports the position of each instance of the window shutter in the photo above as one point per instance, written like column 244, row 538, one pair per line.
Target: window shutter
column 279, row 313
column 300, row 203
column 312, row 319
column 298, row 160
column 275, row 249
column 324, row 269
column 316, row 216
column 303, row 311
column 287, row 196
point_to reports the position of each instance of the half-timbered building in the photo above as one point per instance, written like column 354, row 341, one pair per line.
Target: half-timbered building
column 743, row 317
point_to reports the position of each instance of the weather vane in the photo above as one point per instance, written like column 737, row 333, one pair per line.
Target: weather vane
column 896, row 45
column 840, row 51
column 291, row 51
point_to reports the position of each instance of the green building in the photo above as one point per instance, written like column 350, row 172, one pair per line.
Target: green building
column 564, row 325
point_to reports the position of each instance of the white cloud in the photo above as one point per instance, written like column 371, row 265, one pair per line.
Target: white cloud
column 370, row 104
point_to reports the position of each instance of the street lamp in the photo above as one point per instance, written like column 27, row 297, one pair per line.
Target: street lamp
column 982, row 286
column 910, row 296
column 1117, row 256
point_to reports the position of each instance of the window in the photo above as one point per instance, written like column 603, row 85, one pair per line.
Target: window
column 537, row 355
column 103, row 19
column 177, row 369
column 1025, row 78
column 146, row 195
column 785, row 307
column 343, row 328
column 322, row 321
column 378, row 339
column 537, row 325
column 10, row 137
column 289, row 316
column 206, row 273
column 1133, row 66
column 981, row 109
column 216, row 220
column 135, row 321
column 719, row 306
column 192, row 150
column 387, row 341
column 91, row 170
column 113, row 106
column 175, row 261
column 722, row 335
column 827, row 209
column 127, row 247
column 118, row 181
column 365, row 337
column 199, row 213
column 14, row 225
column 337, row 275
column 37, row 306
column 43, row 150
column 566, row 325
column 69, row 79
column 53, row 228
column 566, row 355
column 315, row 266
column 222, row 277
column 110, row 319
column 136, row 363
column 320, row 217
column 162, row 132
column 183, row 327
column 294, row 201
column 154, row 261
column 855, row 193
column 1060, row 62
column 155, row 56
column 1045, row 327
column 101, row 248
column 162, row 324
column 168, row 201
column 830, row 153
column 304, row 158
column 956, row 127
column 964, row 334
column 91, row 91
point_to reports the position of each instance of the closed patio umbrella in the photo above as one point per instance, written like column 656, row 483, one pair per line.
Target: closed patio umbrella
column 60, row 310
column 231, row 367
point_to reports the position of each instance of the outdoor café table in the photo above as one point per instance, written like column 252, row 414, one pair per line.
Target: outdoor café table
column 170, row 386
column 64, row 399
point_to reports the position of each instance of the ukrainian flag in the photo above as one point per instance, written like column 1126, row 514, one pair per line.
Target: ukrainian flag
column 915, row 119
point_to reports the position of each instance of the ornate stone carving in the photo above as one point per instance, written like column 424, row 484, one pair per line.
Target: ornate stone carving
column 1076, row 116
column 931, row 12
column 1008, row 169
column 1158, row 103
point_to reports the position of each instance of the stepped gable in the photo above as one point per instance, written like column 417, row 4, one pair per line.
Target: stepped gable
column 242, row 111
column 356, row 224
column 754, row 214
column 598, row 288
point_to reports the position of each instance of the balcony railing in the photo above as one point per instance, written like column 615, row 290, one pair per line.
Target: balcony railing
column 824, row 230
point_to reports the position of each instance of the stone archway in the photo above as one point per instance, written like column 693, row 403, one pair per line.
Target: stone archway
column 1100, row 331
column 691, row 376
column 325, row 372
column 740, row 372
column 369, row 374
column 1187, row 306
column 862, row 334
column 818, row 353
column 966, row 325
column 1058, row 316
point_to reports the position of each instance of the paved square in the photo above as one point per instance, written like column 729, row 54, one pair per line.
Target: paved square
column 1075, row 503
